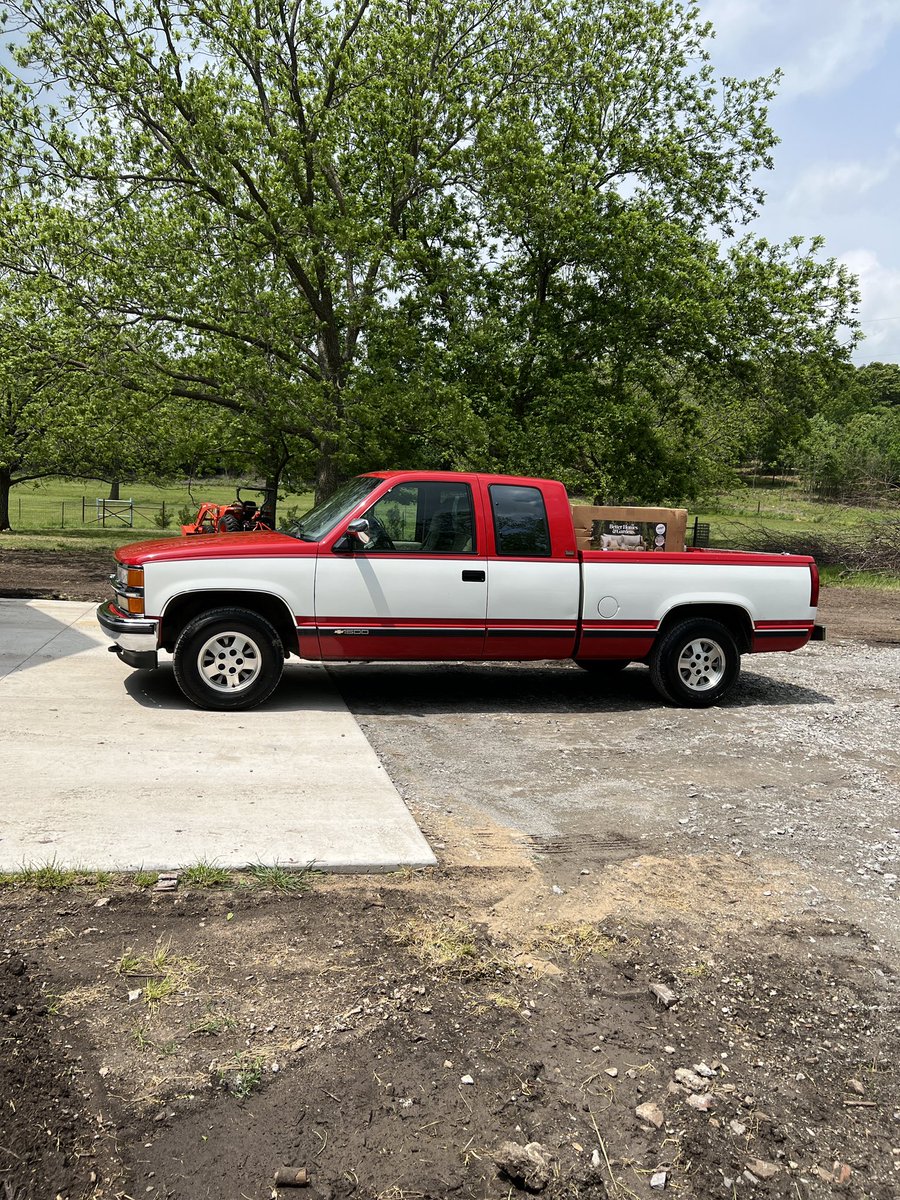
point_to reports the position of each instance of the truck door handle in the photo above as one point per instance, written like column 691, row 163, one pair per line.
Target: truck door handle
column 473, row 576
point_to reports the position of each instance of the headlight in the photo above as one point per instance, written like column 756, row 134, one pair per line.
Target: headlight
column 129, row 588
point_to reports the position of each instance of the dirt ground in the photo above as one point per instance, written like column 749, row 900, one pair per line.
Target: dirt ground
column 390, row 1033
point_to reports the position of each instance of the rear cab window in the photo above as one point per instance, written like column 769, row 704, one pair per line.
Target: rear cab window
column 520, row 521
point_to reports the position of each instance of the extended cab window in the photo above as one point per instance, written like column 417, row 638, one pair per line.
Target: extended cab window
column 423, row 518
column 520, row 521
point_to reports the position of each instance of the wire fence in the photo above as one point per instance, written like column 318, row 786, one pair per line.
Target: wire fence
column 26, row 512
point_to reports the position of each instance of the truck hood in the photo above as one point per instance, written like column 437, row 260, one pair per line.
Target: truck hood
column 215, row 545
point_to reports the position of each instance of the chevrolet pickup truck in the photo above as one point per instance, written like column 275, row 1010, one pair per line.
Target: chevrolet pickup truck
column 431, row 566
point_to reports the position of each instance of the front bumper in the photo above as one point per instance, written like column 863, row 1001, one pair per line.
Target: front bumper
column 135, row 638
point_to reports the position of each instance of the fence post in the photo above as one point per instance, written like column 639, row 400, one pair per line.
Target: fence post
column 82, row 510
column 62, row 514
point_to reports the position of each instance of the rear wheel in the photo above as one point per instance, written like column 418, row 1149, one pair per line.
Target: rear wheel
column 228, row 659
column 695, row 664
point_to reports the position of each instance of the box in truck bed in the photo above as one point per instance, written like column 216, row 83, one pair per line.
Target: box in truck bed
column 611, row 527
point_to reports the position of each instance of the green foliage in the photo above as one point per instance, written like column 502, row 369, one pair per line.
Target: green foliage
column 205, row 875
column 461, row 233
column 859, row 457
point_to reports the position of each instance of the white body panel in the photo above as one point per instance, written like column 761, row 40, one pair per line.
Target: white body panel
column 290, row 579
column 361, row 586
column 646, row 591
column 532, row 590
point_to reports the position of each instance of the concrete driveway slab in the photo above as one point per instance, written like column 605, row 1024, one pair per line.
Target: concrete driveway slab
column 107, row 768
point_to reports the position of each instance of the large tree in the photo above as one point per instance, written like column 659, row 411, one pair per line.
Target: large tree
column 462, row 232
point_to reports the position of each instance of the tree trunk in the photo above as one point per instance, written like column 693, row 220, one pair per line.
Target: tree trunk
column 114, row 490
column 5, row 486
column 327, row 476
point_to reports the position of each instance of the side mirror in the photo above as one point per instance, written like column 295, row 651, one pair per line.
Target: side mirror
column 359, row 529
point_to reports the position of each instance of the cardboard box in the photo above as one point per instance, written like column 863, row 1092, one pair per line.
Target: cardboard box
column 607, row 527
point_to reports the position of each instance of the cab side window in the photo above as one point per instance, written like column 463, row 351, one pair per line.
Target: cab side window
column 520, row 521
column 422, row 518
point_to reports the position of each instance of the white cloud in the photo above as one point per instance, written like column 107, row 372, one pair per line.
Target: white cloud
column 879, row 307
column 835, row 186
column 820, row 44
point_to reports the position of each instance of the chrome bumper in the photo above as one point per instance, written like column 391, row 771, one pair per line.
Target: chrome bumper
column 134, row 638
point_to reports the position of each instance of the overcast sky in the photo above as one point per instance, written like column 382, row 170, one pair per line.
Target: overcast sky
column 837, row 169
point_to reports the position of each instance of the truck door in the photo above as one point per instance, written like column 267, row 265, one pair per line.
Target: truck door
column 417, row 589
column 533, row 585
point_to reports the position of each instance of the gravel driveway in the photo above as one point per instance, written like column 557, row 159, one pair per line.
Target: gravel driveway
column 799, row 771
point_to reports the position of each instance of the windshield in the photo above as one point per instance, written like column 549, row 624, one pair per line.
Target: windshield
column 319, row 521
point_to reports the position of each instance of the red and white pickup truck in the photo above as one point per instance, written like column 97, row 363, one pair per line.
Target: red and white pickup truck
column 428, row 565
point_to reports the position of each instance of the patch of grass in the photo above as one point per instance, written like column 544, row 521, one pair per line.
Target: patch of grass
column 213, row 1025
column 576, row 941
column 159, row 989
column 129, row 964
column 243, row 1076
column 696, row 970
column 440, row 943
column 100, row 878
column 141, row 1035
column 205, row 874
column 47, row 877
column 500, row 1000
column 162, row 972
column 276, row 878
column 145, row 879
column 874, row 580
column 38, row 506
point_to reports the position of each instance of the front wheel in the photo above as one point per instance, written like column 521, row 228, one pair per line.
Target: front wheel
column 228, row 659
column 695, row 664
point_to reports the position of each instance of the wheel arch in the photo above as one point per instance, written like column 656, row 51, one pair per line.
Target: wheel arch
column 733, row 616
column 182, row 609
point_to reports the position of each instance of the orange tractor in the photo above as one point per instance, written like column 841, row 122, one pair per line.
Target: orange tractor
column 240, row 516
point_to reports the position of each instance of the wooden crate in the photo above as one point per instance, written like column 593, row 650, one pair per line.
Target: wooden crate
column 674, row 519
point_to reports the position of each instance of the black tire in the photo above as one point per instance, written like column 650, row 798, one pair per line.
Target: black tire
column 229, row 523
column 695, row 664
column 228, row 659
column 603, row 666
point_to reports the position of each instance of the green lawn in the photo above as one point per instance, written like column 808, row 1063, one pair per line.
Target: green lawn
column 63, row 513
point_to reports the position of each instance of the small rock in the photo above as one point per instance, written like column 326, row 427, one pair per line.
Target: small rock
column 595, row 1158
column 527, row 1166
column 704, row 1070
column 669, row 1049
column 102, row 902
column 651, row 1113
column 841, row 1174
column 856, row 1086
column 104, row 1071
column 557, row 891
column 134, row 994
column 663, row 994
column 702, row 1103
column 737, row 1127
column 468, row 1079
column 658, row 1180
column 690, row 1080
column 762, row 1169
column 16, row 966
column 612, row 1072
